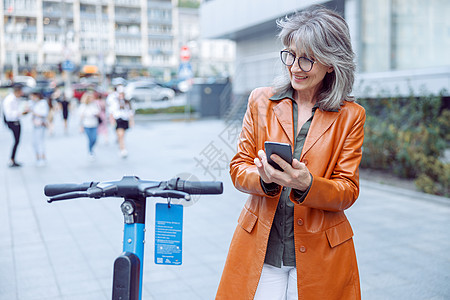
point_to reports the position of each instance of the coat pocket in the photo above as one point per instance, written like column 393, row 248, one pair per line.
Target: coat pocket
column 247, row 220
column 338, row 234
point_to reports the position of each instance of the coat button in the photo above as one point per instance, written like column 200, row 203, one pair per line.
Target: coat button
column 300, row 222
column 302, row 249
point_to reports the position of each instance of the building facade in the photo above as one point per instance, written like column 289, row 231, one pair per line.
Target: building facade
column 113, row 35
column 209, row 57
column 401, row 45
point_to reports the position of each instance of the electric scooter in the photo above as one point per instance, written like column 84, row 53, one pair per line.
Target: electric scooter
column 128, row 267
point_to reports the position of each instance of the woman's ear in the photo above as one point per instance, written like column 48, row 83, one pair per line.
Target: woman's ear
column 330, row 69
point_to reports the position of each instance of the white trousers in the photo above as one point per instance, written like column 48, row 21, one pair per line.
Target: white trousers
column 277, row 283
column 38, row 140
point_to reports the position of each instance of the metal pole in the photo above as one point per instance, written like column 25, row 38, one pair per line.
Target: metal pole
column 98, row 17
column 67, row 73
column 16, row 38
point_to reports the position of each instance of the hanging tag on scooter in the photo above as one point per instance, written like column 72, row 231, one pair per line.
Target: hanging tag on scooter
column 168, row 234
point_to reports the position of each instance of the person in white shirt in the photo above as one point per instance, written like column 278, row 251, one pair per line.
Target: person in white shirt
column 123, row 115
column 112, row 99
column 89, row 112
column 12, row 112
column 39, row 110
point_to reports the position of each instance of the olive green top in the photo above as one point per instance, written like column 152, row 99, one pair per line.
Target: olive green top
column 280, row 247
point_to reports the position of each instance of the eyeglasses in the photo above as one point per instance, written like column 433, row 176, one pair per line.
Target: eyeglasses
column 304, row 63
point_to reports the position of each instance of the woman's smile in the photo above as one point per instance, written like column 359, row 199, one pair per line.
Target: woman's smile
column 299, row 77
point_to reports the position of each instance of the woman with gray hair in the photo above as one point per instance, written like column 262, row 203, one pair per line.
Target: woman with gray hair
column 293, row 240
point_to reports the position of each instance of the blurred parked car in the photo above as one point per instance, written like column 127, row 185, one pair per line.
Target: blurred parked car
column 118, row 81
column 6, row 83
column 80, row 88
column 147, row 91
column 25, row 80
column 45, row 87
column 179, row 86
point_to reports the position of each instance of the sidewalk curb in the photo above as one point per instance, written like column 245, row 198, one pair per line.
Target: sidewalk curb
column 405, row 192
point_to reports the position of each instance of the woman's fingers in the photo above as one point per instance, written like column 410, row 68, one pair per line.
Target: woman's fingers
column 281, row 162
column 296, row 164
column 257, row 162
column 262, row 156
column 261, row 164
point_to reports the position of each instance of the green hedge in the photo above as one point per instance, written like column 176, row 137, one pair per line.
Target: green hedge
column 408, row 136
column 189, row 3
column 165, row 110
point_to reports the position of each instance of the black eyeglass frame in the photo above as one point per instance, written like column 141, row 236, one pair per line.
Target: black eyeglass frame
column 298, row 60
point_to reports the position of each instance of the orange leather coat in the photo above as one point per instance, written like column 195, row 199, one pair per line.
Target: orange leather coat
column 325, row 254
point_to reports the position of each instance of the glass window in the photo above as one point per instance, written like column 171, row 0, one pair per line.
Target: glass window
column 421, row 33
column 404, row 34
column 375, row 35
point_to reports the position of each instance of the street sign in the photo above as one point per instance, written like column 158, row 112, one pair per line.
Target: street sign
column 185, row 53
column 68, row 65
column 185, row 71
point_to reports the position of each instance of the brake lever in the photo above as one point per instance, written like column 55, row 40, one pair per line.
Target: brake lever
column 98, row 192
column 66, row 196
column 168, row 194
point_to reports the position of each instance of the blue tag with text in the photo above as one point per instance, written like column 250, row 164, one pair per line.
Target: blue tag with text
column 168, row 234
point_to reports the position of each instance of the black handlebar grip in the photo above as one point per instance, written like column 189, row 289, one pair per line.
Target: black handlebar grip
column 67, row 196
column 57, row 189
column 200, row 187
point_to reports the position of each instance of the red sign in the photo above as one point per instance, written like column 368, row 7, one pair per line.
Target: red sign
column 185, row 53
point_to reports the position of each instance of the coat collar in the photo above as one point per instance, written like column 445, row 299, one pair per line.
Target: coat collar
column 283, row 95
column 321, row 122
column 283, row 111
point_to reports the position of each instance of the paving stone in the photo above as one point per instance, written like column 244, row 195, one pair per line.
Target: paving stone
column 65, row 250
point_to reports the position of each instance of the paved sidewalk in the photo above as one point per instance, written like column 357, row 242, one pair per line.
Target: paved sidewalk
column 65, row 250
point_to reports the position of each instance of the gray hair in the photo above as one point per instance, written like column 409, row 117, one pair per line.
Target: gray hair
column 323, row 34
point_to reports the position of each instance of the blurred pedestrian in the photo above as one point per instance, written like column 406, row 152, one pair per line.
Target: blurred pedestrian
column 12, row 111
column 293, row 240
column 64, row 104
column 102, row 129
column 89, row 113
column 39, row 110
column 112, row 101
column 123, row 115
column 112, row 98
column 51, row 115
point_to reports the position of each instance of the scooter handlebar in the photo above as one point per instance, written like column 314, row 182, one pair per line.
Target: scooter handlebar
column 132, row 186
column 67, row 196
column 200, row 187
column 63, row 188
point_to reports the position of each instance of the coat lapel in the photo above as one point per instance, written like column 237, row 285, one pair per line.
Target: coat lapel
column 321, row 122
column 283, row 112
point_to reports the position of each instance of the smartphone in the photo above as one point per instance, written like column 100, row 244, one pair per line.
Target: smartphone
column 283, row 150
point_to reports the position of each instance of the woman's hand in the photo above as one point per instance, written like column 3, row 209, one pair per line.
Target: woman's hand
column 295, row 176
